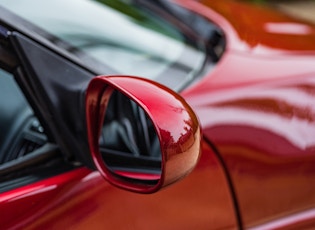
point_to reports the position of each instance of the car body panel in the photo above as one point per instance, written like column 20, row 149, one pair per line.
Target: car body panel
column 257, row 108
column 257, row 111
column 256, row 29
column 82, row 199
column 265, row 134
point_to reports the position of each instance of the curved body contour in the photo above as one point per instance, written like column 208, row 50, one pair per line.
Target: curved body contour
column 256, row 110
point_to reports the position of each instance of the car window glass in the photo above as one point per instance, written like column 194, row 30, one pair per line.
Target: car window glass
column 20, row 131
column 127, row 38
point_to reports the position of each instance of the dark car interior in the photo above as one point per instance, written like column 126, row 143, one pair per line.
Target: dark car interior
column 16, row 115
column 21, row 133
column 23, row 143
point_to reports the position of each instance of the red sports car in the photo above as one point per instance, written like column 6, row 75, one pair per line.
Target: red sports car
column 136, row 114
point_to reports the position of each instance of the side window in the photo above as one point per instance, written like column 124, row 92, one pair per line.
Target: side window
column 26, row 154
column 20, row 131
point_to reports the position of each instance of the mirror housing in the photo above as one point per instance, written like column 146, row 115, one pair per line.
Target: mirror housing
column 175, row 123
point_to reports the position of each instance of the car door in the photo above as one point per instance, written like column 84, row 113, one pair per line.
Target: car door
column 54, row 190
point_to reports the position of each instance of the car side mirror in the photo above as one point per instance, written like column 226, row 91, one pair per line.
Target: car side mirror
column 142, row 135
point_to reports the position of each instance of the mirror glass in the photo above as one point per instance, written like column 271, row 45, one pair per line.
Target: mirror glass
column 129, row 144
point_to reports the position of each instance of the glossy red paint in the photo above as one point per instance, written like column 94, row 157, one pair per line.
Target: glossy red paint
column 256, row 29
column 257, row 107
column 265, row 134
column 257, row 49
column 28, row 204
column 83, row 200
column 175, row 123
column 139, row 176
